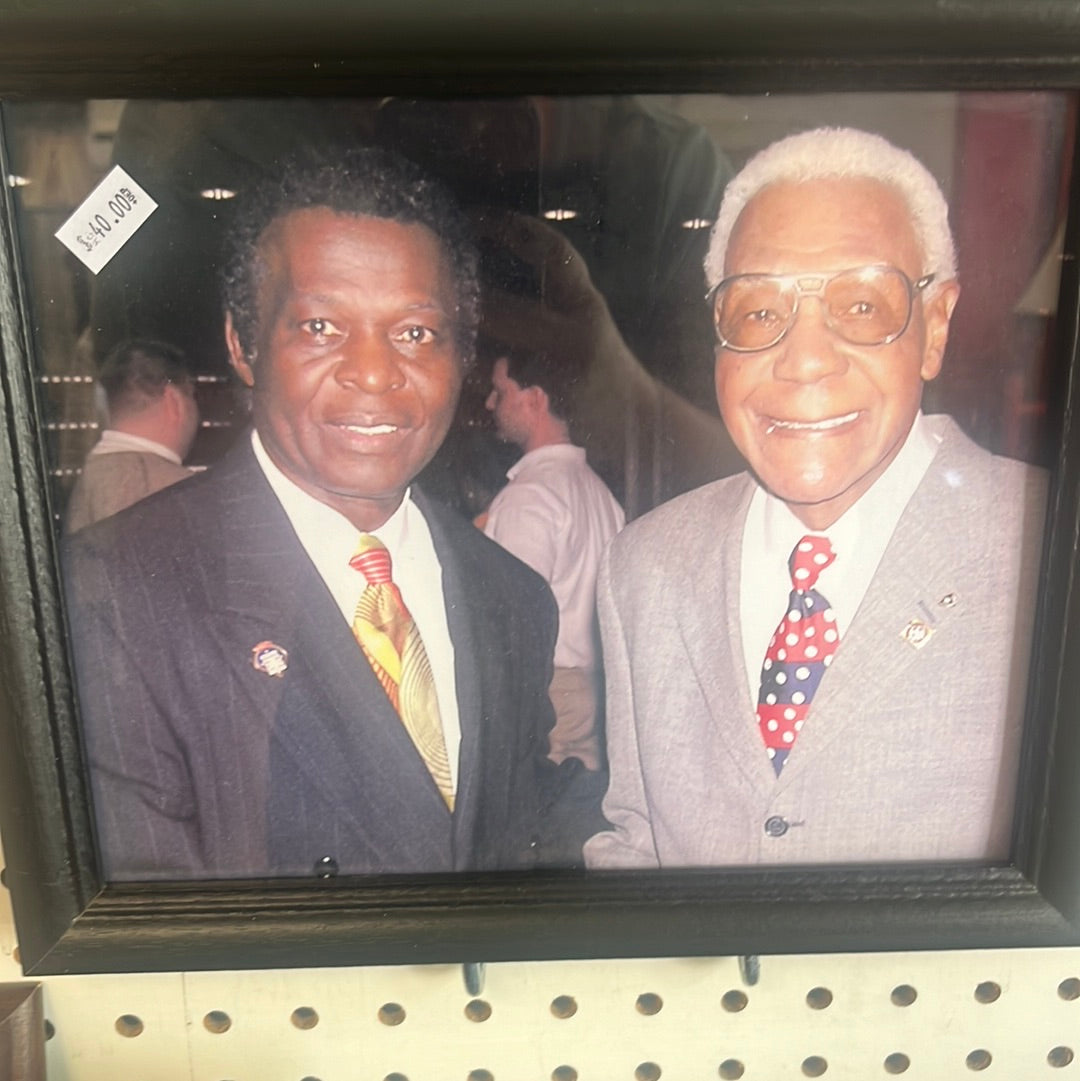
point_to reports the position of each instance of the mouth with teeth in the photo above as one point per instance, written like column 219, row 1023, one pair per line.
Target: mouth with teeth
column 828, row 424
column 369, row 429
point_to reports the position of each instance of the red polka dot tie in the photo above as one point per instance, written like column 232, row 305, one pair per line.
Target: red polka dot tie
column 799, row 652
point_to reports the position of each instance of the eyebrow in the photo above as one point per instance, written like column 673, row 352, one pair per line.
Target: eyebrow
column 425, row 304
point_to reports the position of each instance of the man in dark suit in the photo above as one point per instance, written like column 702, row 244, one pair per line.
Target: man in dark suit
column 240, row 718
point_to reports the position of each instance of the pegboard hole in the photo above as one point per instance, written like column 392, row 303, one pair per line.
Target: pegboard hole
column 477, row 1010
column 897, row 1063
column 819, row 998
column 395, row 1077
column 16, row 956
column 304, row 1017
column 217, row 1021
column 1069, row 989
column 564, row 1006
column 391, row 1013
column 903, row 995
column 731, row 1069
column 129, row 1025
column 814, row 1066
column 1059, row 1056
column 50, row 1029
column 647, row 1071
column 979, row 1059
column 734, row 1001
column 564, row 1073
column 481, row 1075
column 988, row 991
column 649, row 1004
column 310, row 1077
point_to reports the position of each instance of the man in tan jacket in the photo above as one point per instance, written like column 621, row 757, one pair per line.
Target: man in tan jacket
column 153, row 418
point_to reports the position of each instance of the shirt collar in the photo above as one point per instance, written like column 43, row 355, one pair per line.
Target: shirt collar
column 321, row 528
column 876, row 512
column 548, row 452
column 116, row 442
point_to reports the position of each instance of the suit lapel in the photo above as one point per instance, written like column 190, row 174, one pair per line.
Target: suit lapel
column 911, row 599
column 327, row 711
column 711, row 628
column 338, row 728
column 465, row 596
column 251, row 591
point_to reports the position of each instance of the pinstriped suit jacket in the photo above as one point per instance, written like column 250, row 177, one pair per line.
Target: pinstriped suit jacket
column 907, row 754
column 202, row 766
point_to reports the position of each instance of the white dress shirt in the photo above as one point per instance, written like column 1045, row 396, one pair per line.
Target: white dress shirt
column 859, row 538
column 330, row 541
column 558, row 516
column 114, row 442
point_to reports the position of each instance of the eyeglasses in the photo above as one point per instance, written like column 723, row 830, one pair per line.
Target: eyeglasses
column 868, row 305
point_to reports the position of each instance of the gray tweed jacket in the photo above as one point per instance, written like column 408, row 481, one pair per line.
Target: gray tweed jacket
column 908, row 753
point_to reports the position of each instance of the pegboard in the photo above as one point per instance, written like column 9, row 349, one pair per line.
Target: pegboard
column 1011, row 1014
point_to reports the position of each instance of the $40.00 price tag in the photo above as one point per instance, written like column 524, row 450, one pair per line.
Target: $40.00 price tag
column 107, row 219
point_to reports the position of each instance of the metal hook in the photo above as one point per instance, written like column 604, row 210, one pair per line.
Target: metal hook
column 473, row 973
column 749, row 968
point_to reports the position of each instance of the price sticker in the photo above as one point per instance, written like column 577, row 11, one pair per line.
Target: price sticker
column 107, row 219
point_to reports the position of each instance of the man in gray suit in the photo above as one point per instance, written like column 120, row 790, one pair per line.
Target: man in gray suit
column 824, row 660
column 153, row 420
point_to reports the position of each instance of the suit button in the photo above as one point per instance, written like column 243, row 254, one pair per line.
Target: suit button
column 776, row 826
column 325, row 867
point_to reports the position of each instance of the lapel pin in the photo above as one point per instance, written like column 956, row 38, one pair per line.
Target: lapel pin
column 949, row 600
column 917, row 633
column 270, row 659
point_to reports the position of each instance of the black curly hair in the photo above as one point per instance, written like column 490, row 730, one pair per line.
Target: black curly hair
column 361, row 181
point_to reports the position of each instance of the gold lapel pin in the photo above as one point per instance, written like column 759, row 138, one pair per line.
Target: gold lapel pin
column 917, row 633
column 270, row 659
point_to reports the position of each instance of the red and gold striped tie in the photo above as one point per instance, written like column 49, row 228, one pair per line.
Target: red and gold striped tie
column 391, row 642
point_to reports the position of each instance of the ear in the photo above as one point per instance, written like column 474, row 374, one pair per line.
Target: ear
column 171, row 396
column 538, row 399
column 937, row 311
column 240, row 363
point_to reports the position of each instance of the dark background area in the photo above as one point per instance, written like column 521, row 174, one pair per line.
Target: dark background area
column 592, row 214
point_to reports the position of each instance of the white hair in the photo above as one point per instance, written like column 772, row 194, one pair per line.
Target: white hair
column 842, row 153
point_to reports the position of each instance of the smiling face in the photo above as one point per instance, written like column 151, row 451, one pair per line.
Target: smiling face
column 819, row 419
column 355, row 370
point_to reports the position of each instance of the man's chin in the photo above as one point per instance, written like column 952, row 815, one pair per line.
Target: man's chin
column 817, row 506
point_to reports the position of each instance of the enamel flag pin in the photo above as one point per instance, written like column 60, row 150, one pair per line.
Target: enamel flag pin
column 270, row 659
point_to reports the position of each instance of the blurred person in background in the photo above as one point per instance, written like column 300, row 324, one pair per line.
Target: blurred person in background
column 152, row 422
column 557, row 516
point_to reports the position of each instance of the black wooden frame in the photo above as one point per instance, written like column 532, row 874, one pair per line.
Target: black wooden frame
column 68, row 922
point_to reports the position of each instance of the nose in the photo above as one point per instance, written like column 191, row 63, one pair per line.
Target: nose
column 369, row 362
column 809, row 350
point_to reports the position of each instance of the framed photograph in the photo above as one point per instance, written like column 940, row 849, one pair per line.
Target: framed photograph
column 251, row 321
